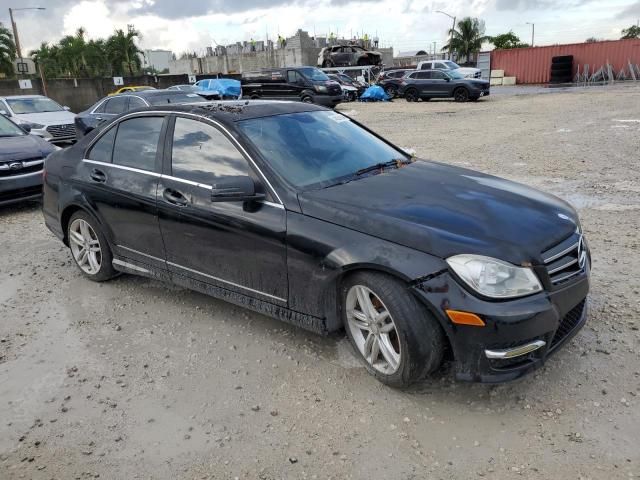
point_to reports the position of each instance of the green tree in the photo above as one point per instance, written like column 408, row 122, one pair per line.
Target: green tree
column 468, row 38
column 123, row 51
column 592, row 40
column 47, row 59
column 7, row 51
column 632, row 32
column 507, row 40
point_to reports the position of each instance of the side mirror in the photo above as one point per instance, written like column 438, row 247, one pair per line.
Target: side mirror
column 26, row 128
column 66, row 108
column 448, row 79
column 235, row 189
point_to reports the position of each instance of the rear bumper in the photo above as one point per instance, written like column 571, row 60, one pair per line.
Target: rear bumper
column 502, row 349
column 19, row 188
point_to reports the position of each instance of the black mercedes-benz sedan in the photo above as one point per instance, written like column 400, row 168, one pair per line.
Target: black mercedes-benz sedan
column 21, row 162
column 301, row 213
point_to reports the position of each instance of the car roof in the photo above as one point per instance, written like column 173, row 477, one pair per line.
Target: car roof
column 149, row 93
column 231, row 111
column 18, row 97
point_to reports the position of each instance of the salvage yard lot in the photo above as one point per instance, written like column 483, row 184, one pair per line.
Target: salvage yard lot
column 136, row 379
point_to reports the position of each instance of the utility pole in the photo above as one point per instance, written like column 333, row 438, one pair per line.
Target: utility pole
column 16, row 40
column 533, row 31
column 453, row 27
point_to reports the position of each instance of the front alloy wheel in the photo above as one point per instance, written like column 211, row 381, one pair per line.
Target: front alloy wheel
column 461, row 95
column 397, row 339
column 85, row 246
column 373, row 330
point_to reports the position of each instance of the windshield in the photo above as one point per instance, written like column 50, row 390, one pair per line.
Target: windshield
column 316, row 149
column 33, row 105
column 183, row 97
column 314, row 74
column 451, row 65
column 8, row 128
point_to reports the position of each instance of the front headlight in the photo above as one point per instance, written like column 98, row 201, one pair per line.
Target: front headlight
column 321, row 89
column 494, row 278
column 34, row 126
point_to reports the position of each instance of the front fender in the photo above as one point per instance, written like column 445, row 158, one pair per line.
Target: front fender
column 320, row 254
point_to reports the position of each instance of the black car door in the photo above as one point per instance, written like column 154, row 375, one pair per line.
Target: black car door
column 120, row 173
column 237, row 246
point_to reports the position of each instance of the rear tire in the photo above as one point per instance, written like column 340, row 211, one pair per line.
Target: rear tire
column 411, row 95
column 391, row 90
column 398, row 340
column 89, row 247
column 461, row 94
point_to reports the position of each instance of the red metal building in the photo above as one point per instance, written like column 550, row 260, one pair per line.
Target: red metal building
column 533, row 65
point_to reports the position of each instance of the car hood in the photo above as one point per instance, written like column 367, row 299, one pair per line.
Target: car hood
column 47, row 118
column 444, row 210
column 24, row 147
column 467, row 70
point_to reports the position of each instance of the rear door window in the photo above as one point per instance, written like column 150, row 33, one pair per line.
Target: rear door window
column 116, row 105
column 136, row 143
column 293, row 76
column 136, row 102
column 201, row 153
column 102, row 149
column 436, row 75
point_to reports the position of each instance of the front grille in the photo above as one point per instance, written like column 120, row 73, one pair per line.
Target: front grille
column 477, row 74
column 62, row 131
column 568, row 323
column 11, row 169
column 566, row 260
column 20, row 193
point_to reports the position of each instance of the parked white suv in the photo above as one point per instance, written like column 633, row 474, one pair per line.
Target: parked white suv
column 46, row 118
column 448, row 65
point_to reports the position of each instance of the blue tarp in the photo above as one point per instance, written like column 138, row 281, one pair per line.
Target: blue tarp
column 374, row 93
column 225, row 87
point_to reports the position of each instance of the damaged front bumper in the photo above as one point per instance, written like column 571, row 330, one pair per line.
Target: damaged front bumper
column 519, row 334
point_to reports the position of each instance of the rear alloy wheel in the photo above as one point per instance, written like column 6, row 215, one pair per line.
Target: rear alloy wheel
column 461, row 95
column 391, row 90
column 411, row 95
column 398, row 341
column 89, row 248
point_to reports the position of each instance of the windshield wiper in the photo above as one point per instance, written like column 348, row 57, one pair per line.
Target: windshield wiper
column 396, row 162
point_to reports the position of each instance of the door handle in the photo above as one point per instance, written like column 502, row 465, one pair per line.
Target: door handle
column 174, row 197
column 99, row 119
column 98, row 176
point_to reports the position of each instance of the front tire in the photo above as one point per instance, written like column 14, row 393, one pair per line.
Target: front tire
column 397, row 339
column 461, row 95
column 391, row 90
column 307, row 99
column 89, row 248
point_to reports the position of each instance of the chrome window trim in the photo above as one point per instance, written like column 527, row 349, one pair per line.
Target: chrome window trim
column 122, row 167
column 92, row 112
column 227, row 282
column 198, row 116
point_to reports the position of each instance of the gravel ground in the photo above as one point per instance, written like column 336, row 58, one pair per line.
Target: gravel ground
column 137, row 379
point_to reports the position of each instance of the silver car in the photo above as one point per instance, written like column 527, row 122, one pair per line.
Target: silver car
column 46, row 118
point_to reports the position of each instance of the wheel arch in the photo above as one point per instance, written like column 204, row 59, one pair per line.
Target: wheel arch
column 67, row 213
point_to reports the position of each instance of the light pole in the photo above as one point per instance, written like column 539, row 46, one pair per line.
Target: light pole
column 452, row 29
column 15, row 28
column 533, row 31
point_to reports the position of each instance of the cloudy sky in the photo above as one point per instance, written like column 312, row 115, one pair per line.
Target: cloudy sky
column 182, row 25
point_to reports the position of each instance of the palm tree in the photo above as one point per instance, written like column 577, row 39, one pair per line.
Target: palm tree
column 123, row 51
column 7, row 51
column 46, row 58
column 468, row 38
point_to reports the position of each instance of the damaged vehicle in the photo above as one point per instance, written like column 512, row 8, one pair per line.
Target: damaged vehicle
column 347, row 56
column 299, row 212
